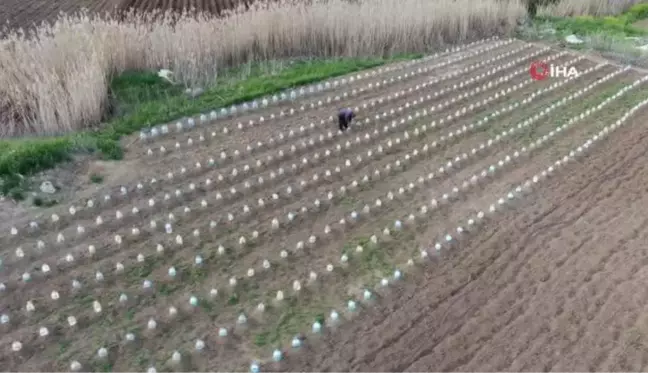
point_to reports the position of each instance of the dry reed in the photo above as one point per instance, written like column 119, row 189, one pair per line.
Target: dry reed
column 56, row 80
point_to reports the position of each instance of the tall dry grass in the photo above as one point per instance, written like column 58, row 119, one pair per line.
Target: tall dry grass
column 56, row 79
column 570, row 8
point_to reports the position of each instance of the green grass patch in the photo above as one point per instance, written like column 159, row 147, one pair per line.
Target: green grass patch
column 96, row 178
column 63, row 346
column 133, row 89
column 636, row 13
column 348, row 201
column 166, row 289
column 586, row 25
column 620, row 25
column 373, row 261
column 141, row 99
column 292, row 319
column 233, row 300
column 103, row 366
column 141, row 271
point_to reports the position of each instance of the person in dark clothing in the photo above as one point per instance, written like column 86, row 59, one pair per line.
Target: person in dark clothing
column 345, row 116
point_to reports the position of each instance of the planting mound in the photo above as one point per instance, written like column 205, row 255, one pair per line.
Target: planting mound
column 441, row 231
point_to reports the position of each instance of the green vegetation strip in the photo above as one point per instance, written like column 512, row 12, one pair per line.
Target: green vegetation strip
column 621, row 25
column 141, row 100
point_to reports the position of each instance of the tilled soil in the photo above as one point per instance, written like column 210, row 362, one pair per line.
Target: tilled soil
column 25, row 14
column 557, row 284
column 211, row 233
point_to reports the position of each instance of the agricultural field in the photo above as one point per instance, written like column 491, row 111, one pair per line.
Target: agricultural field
column 472, row 218
column 16, row 13
column 212, row 6
column 25, row 13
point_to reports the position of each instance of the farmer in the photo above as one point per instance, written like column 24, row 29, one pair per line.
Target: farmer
column 345, row 116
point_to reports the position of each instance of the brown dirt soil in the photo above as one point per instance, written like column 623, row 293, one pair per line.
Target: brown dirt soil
column 558, row 284
column 27, row 13
column 148, row 254
column 16, row 13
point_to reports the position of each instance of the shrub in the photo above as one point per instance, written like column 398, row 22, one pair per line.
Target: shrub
column 598, row 8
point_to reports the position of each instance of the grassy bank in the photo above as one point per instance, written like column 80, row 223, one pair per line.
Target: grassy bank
column 595, row 8
column 141, row 99
column 618, row 25
column 618, row 37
